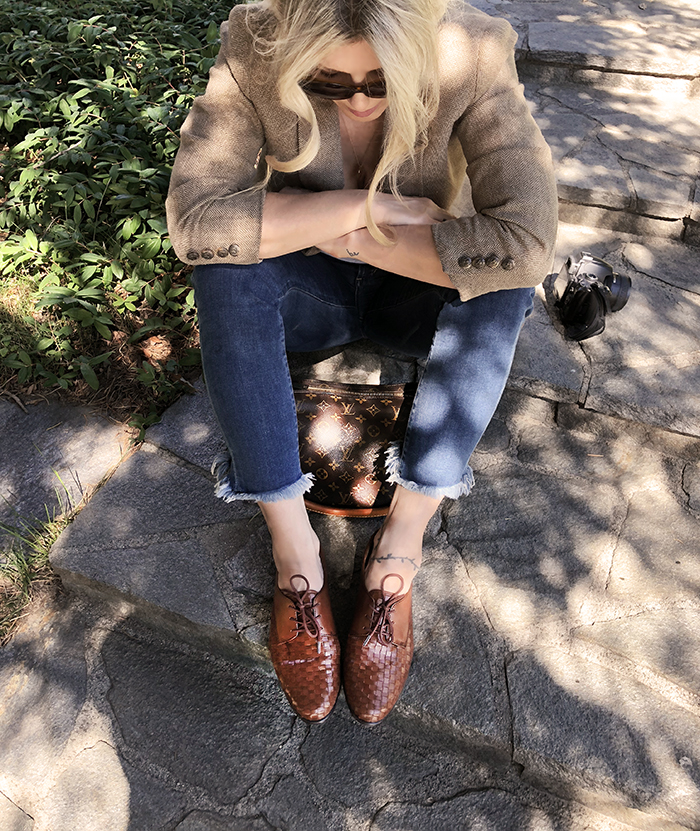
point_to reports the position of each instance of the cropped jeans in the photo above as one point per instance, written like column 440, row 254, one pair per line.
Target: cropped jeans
column 251, row 315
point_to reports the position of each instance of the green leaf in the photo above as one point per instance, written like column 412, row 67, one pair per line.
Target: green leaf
column 74, row 31
column 150, row 248
column 131, row 226
column 149, row 326
column 191, row 357
column 81, row 315
column 103, row 330
column 88, row 374
column 30, row 239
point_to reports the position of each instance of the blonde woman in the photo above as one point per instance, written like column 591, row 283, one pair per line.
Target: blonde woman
column 319, row 191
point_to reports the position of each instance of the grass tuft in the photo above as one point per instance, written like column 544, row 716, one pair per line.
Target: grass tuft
column 25, row 571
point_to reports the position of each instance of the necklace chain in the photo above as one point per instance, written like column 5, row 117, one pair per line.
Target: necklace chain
column 359, row 170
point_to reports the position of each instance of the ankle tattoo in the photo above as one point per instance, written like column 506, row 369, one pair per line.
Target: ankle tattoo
column 396, row 559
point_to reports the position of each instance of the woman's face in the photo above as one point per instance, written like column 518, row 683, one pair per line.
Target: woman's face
column 355, row 63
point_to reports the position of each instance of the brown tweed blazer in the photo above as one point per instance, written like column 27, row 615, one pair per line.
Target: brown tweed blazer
column 483, row 144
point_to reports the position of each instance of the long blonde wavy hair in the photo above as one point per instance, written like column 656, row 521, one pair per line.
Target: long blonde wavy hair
column 403, row 35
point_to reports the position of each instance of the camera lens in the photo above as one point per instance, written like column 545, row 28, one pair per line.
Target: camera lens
column 620, row 286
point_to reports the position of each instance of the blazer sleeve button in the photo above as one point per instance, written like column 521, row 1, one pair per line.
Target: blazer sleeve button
column 222, row 252
column 479, row 262
column 234, row 250
column 464, row 262
column 208, row 254
column 507, row 263
column 492, row 261
column 192, row 256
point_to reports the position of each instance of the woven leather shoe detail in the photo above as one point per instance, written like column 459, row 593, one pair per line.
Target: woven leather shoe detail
column 304, row 648
column 379, row 651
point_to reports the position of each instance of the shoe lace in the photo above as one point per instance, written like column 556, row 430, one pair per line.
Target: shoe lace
column 381, row 623
column 304, row 609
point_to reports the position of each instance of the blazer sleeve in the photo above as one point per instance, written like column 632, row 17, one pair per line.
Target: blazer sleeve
column 212, row 212
column 509, row 242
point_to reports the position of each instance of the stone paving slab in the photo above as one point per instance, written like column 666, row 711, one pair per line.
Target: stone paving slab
column 630, row 158
column 53, row 455
column 12, row 818
column 610, row 734
column 626, row 45
column 598, row 608
column 171, row 739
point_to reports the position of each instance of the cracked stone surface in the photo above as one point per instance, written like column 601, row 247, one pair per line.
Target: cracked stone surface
column 630, row 155
column 541, row 626
column 191, row 742
column 37, row 726
column 12, row 818
column 224, row 754
column 490, row 810
column 608, row 729
column 205, row 821
column 78, row 798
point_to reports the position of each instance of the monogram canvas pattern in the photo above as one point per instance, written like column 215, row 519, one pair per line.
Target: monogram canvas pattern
column 344, row 431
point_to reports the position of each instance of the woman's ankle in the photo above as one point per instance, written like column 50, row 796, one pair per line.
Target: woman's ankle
column 295, row 546
column 394, row 554
column 291, row 560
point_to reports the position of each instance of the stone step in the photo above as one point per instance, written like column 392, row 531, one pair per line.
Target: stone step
column 71, row 450
column 625, row 159
column 584, row 40
column 519, row 638
column 614, row 85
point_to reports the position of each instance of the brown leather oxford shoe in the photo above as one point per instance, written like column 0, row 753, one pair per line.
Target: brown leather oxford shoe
column 379, row 650
column 304, row 648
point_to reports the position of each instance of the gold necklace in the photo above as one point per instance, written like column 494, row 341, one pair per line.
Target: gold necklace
column 362, row 182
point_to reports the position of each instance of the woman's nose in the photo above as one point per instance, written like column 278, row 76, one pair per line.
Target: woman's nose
column 359, row 101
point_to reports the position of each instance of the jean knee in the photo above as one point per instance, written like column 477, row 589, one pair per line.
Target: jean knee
column 239, row 285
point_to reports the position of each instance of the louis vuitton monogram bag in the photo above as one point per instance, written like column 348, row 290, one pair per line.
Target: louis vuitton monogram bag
column 344, row 433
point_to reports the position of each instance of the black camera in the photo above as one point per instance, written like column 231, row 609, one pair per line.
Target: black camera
column 586, row 290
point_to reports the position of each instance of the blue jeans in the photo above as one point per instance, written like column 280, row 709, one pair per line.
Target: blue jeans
column 250, row 315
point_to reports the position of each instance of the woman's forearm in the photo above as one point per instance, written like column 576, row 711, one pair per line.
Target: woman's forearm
column 414, row 254
column 294, row 221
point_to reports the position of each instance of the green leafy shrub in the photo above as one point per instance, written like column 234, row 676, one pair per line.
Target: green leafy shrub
column 92, row 96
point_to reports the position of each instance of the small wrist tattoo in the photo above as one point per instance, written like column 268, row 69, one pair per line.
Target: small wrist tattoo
column 352, row 253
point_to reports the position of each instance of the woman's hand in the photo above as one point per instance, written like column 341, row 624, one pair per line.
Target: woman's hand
column 413, row 210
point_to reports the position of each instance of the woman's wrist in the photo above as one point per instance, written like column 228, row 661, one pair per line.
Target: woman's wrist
column 360, row 208
column 351, row 244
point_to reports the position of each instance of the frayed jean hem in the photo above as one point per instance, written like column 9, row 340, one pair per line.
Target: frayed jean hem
column 221, row 468
column 393, row 462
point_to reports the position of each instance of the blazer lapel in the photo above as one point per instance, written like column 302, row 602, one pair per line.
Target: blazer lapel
column 326, row 171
